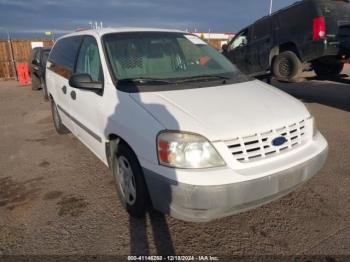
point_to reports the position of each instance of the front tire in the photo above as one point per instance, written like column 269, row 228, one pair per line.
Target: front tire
column 57, row 122
column 287, row 67
column 129, row 181
column 327, row 69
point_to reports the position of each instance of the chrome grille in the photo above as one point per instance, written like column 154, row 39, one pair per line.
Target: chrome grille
column 259, row 146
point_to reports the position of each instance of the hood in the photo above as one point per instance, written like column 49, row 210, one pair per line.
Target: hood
column 223, row 112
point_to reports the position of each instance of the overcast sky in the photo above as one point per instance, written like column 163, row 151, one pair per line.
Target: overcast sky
column 33, row 17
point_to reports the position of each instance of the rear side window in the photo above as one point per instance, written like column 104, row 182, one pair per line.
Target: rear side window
column 262, row 29
column 291, row 15
column 63, row 55
column 297, row 16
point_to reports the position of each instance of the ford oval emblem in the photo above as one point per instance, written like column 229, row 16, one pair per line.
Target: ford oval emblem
column 278, row 141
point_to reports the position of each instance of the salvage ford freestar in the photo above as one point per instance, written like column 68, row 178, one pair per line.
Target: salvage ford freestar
column 180, row 127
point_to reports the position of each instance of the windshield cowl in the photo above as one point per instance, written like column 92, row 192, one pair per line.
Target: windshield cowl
column 130, row 86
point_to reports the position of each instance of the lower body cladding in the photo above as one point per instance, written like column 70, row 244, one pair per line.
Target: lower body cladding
column 204, row 203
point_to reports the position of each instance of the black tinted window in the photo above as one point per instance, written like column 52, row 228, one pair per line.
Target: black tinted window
column 65, row 52
column 37, row 55
column 45, row 56
column 297, row 17
column 33, row 54
column 262, row 29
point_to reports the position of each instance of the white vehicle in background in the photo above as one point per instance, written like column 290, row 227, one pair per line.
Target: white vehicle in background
column 179, row 126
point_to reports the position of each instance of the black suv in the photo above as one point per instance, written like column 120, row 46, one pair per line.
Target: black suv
column 37, row 68
column 315, row 32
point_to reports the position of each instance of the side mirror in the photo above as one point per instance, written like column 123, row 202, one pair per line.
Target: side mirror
column 84, row 82
column 224, row 47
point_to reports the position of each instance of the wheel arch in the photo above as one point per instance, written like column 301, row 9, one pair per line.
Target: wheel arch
column 112, row 143
column 273, row 53
column 288, row 46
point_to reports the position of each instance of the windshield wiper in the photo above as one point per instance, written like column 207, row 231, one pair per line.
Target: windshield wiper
column 202, row 77
column 145, row 80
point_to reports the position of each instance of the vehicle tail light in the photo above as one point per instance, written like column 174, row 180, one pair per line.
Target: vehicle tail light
column 319, row 28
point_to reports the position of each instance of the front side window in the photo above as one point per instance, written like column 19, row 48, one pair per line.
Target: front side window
column 45, row 56
column 89, row 59
column 165, row 58
column 240, row 40
column 37, row 56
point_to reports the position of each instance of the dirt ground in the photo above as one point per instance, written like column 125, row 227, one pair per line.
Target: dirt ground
column 57, row 198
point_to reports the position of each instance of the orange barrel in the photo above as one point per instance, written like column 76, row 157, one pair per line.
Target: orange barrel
column 23, row 73
column 20, row 73
column 26, row 73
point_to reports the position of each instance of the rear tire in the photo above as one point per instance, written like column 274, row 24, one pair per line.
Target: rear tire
column 44, row 88
column 57, row 122
column 327, row 69
column 129, row 181
column 287, row 67
column 35, row 83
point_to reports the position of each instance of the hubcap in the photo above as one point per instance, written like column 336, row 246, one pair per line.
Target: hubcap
column 285, row 67
column 126, row 180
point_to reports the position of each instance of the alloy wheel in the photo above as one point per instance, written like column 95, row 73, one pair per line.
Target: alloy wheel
column 285, row 67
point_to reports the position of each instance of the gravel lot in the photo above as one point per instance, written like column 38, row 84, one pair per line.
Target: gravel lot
column 57, row 198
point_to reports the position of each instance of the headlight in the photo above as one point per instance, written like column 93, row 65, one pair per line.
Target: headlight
column 186, row 150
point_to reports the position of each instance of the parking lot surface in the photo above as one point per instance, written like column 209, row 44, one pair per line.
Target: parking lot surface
column 57, row 198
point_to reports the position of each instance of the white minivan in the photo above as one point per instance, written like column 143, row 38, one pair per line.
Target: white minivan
column 182, row 130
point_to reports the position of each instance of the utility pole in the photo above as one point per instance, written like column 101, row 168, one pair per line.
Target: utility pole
column 209, row 36
column 271, row 3
column 12, row 59
column 13, row 62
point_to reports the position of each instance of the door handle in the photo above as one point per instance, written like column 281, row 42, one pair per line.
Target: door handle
column 64, row 90
column 73, row 95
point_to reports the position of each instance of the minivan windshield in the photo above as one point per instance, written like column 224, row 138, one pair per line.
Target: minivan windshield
column 166, row 58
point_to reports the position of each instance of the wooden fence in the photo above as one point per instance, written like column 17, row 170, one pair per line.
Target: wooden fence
column 16, row 51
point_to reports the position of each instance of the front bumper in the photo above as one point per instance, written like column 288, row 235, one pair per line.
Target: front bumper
column 204, row 203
